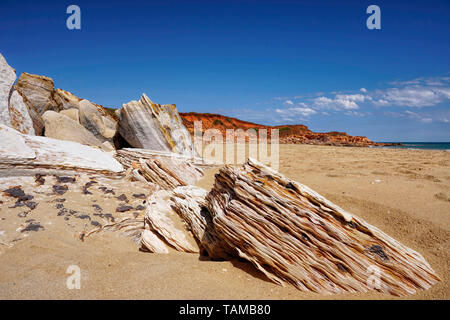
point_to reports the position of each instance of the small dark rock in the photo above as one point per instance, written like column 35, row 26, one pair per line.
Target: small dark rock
column 17, row 192
column 96, row 223
column 17, row 204
column 33, row 226
column 123, row 197
column 87, row 185
column 65, row 179
column 140, row 207
column 31, row 204
column 139, row 196
column 39, row 179
column 58, row 189
column 124, row 208
column 83, row 216
column 60, row 200
column 59, row 206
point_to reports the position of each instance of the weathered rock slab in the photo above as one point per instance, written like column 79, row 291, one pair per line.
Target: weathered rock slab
column 7, row 78
column 38, row 91
column 20, row 151
column 147, row 125
column 294, row 235
column 59, row 126
column 19, row 114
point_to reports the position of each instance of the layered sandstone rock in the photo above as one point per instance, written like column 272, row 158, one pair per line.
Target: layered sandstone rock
column 292, row 234
column 102, row 127
column 165, row 169
column 147, row 125
column 27, row 152
column 59, row 126
column 7, row 78
column 291, row 134
column 72, row 114
column 19, row 114
column 38, row 91
column 66, row 100
column 14, row 110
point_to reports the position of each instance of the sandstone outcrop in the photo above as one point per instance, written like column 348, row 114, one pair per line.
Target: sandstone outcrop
column 147, row 125
column 27, row 152
column 19, row 114
column 59, row 126
column 290, row 134
column 38, row 90
column 72, row 114
column 14, row 110
column 91, row 118
column 66, row 100
column 292, row 234
column 161, row 219
column 7, row 78
column 165, row 169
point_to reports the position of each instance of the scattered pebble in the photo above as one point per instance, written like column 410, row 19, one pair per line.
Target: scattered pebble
column 39, row 179
column 65, row 179
column 124, row 208
column 58, row 189
column 123, row 197
column 18, row 193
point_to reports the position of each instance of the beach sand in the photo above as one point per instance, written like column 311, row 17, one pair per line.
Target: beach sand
column 405, row 193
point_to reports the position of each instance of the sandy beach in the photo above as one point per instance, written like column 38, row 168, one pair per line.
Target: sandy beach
column 405, row 193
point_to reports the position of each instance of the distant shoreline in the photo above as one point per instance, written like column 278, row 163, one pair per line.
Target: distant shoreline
column 445, row 146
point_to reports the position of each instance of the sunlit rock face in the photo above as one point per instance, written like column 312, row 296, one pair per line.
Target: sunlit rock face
column 14, row 111
column 102, row 127
column 19, row 114
column 27, row 152
column 38, row 90
column 147, row 125
column 7, row 78
column 59, row 126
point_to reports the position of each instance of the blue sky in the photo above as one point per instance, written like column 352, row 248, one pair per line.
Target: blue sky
column 271, row 62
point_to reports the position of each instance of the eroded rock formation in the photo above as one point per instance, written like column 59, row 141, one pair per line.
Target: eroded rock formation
column 292, row 234
column 165, row 169
column 147, row 125
column 38, row 90
column 14, row 112
column 290, row 134
column 7, row 78
column 27, row 152
column 59, row 126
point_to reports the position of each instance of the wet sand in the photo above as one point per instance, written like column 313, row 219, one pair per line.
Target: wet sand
column 405, row 193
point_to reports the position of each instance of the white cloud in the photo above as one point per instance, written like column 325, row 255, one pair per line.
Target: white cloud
column 288, row 102
column 339, row 102
column 303, row 111
column 426, row 120
column 363, row 90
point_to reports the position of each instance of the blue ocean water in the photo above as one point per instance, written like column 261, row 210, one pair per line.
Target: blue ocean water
column 424, row 145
